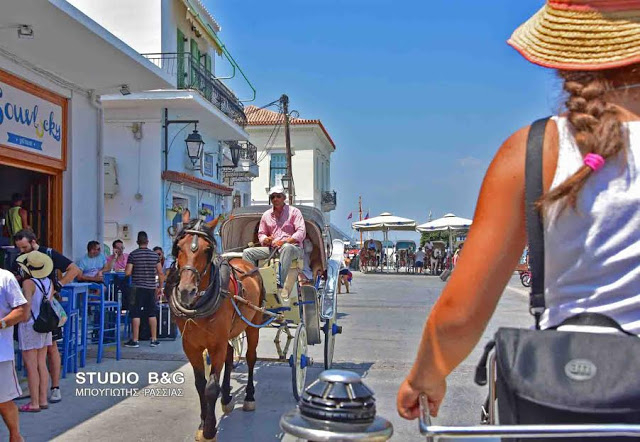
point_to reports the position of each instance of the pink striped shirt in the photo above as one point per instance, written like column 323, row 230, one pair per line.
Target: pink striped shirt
column 290, row 224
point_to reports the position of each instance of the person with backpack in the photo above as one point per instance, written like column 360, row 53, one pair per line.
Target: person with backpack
column 590, row 202
column 25, row 240
column 37, row 288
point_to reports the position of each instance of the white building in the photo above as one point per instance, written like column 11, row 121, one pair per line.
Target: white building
column 55, row 64
column 311, row 146
column 151, row 171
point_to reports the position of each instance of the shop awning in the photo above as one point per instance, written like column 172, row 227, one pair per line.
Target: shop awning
column 71, row 46
column 199, row 23
column 196, row 183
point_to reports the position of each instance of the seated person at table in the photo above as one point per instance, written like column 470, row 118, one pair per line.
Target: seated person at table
column 25, row 241
column 281, row 227
column 93, row 264
column 117, row 261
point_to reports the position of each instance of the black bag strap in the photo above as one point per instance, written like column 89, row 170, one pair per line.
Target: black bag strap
column 535, row 230
column 39, row 285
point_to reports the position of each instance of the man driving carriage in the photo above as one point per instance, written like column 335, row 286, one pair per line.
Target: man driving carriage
column 281, row 227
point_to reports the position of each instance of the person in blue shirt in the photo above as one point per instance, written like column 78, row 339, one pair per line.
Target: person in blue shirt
column 93, row 264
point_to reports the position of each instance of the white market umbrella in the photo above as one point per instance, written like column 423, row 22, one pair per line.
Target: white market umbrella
column 449, row 223
column 384, row 223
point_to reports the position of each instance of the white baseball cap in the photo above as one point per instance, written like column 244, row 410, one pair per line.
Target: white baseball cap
column 276, row 189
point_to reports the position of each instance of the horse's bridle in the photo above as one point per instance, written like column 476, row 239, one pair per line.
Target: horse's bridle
column 197, row 233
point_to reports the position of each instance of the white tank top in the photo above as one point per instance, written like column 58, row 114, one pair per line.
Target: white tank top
column 592, row 255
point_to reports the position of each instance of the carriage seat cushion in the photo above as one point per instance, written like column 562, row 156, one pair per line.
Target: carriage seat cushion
column 295, row 264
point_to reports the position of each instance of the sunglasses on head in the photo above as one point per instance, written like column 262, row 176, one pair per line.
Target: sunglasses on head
column 277, row 195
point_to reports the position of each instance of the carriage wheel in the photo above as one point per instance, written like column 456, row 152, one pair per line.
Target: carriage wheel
column 525, row 278
column 330, row 329
column 299, row 361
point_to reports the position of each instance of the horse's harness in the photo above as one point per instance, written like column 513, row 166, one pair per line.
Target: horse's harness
column 217, row 289
column 221, row 273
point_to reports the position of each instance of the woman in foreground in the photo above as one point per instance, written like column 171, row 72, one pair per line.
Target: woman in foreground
column 591, row 205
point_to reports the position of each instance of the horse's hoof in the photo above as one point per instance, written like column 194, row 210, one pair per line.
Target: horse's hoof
column 249, row 406
column 200, row 437
column 228, row 408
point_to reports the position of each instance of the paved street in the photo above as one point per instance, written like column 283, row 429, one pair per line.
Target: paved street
column 381, row 320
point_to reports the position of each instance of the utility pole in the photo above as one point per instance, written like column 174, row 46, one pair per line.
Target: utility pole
column 284, row 102
column 360, row 217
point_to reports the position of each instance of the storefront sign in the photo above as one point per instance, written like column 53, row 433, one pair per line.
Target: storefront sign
column 30, row 123
column 208, row 164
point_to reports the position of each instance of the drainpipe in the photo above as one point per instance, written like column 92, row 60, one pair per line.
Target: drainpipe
column 95, row 103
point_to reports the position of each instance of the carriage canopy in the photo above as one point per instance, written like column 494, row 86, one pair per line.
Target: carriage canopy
column 241, row 228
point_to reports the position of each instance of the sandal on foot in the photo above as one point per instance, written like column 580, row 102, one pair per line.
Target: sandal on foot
column 27, row 408
column 44, row 407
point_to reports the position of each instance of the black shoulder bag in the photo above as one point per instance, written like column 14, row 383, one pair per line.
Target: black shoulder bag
column 562, row 377
column 51, row 314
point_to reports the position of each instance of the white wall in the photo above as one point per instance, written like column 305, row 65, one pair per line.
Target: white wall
column 139, row 171
column 82, row 203
column 312, row 153
column 137, row 23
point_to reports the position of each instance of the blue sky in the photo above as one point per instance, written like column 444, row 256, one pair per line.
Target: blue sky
column 417, row 95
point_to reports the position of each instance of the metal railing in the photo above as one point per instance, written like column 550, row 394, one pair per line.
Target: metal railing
column 249, row 151
column 191, row 74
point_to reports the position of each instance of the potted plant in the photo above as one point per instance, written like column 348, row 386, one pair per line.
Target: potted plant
column 204, row 213
column 173, row 211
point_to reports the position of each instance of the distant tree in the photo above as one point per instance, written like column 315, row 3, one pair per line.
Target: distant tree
column 433, row 236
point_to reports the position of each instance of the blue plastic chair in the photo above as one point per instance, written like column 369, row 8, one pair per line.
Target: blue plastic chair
column 70, row 338
column 106, row 306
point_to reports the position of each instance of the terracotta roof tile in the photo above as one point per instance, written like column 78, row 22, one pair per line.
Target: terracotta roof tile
column 265, row 117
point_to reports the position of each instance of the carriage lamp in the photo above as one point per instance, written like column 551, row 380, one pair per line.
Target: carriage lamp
column 338, row 406
column 194, row 146
column 286, row 183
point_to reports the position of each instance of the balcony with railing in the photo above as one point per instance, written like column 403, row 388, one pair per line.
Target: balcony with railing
column 328, row 200
column 191, row 74
column 247, row 167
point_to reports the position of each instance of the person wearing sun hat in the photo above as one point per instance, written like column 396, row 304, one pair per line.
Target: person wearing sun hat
column 36, row 268
column 590, row 204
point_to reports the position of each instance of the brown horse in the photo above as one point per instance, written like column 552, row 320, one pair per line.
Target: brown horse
column 207, row 319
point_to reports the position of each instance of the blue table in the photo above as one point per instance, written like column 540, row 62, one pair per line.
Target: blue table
column 77, row 294
column 110, row 279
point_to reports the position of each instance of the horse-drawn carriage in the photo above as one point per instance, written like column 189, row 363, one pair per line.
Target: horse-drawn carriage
column 216, row 298
column 308, row 306
column 371, row 256
column 405, row 255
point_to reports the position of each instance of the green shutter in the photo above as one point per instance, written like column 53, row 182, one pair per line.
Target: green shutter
column 180, row 61
column 195, row 60
column 208, row 89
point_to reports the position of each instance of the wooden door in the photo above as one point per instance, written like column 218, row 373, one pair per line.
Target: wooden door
column 40, row 199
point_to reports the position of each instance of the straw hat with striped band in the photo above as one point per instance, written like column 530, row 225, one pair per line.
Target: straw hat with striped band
column 581, row 34
column 36, row 264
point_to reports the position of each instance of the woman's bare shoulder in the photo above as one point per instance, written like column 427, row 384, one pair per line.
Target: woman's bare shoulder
column 509, row 161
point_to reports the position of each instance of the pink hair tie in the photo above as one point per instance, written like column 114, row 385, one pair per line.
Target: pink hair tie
column 594, row 161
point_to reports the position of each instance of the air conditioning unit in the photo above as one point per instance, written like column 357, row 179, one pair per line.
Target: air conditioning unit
column 111, row 186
